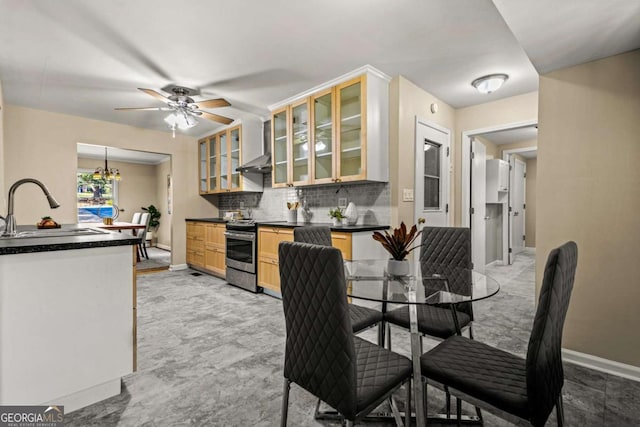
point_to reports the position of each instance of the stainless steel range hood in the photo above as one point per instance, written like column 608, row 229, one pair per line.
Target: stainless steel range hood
column 261, row 164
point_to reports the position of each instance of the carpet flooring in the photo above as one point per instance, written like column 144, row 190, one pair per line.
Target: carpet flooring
column 158, row 259
column 210, row 354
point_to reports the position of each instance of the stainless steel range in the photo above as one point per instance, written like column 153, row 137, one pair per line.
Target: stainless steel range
column 241, row 241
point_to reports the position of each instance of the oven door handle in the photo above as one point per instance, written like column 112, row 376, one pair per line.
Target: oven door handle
column 241, row 236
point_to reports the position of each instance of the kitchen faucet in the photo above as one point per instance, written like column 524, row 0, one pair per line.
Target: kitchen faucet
column 10, row 221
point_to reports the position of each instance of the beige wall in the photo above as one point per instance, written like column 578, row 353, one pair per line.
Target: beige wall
column 588, row 191
column 406, row 102
column 42, row 145
column 504, row 111
column 515, row 145
column 492, row 150
column 530, row 201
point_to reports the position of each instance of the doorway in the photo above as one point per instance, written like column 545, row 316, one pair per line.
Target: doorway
column 432, row 171
column 144, row 181
column 489, row 190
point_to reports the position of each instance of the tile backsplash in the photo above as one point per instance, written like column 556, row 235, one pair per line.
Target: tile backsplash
column 373, row 200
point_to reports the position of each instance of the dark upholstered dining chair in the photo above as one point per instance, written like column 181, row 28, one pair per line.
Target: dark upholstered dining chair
column 442, row 249
column 361, row 317
column 322, row 355
column 512, row 387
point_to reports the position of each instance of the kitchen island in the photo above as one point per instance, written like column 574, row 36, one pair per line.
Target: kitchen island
column 67, row 316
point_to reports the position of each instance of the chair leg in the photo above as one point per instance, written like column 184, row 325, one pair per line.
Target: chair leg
column 389, row 337
column 448, row 397
column 407, row 405
column 285, row 402
column 560, row 411
column 458, row 411
column 144, row 248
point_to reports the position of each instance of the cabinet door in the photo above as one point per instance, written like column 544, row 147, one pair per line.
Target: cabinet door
column 323, row 160
column 351, row 130
column 300, row 153
column 280, row 147
column 235, row 138
column 342, row 241
column 224, row 160
column 214, row 165
column 202, row 166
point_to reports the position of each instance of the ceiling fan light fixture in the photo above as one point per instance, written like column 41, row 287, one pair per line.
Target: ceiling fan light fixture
column 489, row 83
column 181, row 120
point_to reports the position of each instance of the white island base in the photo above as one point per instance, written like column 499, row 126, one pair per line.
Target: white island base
column 67, row 325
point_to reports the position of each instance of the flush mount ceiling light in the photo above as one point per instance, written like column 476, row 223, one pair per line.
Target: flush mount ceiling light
column 490, row 83
column 106, row 173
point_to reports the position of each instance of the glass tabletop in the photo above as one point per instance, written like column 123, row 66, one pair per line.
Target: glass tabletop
column 425, row 284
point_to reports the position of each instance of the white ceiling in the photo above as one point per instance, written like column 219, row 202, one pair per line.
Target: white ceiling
column 86, row 58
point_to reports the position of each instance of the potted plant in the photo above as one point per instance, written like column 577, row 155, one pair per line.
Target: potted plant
column 154, row 215
column 398, row 245
column 336, row 216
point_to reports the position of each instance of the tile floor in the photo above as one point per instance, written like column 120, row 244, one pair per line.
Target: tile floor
column 211, row 354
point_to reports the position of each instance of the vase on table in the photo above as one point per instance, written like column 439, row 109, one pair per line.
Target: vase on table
column 351, row 214
column 398, row 267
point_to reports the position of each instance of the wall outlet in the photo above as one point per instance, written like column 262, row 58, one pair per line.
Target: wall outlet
column 407, row 194
column 342, row 202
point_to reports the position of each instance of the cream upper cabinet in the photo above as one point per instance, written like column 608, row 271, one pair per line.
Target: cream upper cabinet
column 280, row 147
column 346, row 131
column 222, row 153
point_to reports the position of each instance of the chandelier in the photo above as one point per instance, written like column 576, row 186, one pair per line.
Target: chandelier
column 106, row 173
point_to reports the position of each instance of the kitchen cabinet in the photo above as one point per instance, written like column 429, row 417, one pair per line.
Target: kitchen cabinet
column 206, row 247
column 222, row 153
column 497, row 180
column 214, row 249
column 269, row 239
column 195, row 244
column 345, row 136
column 268, row 269
column 290, row 145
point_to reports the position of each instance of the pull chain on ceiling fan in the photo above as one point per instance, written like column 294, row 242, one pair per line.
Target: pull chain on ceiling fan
column 184, row 108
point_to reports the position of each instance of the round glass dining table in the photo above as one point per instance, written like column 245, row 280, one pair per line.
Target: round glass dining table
column 429, row 284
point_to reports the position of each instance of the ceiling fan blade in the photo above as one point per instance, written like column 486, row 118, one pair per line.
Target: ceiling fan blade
column 212, row 103
column 215, row 117
column 145, row 109
column 155, row 94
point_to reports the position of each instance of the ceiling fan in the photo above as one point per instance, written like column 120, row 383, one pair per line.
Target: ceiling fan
column 184, row 108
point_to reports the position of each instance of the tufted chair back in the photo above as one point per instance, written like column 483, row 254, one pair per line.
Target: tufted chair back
column 545, row 376
column 317, row 235
column 320, row 352
column 447, row 251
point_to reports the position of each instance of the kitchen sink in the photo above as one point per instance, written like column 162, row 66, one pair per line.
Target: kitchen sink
column 55, row 232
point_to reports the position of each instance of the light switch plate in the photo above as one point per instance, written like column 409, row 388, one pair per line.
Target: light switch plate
column 342, row 202
column 407, row 194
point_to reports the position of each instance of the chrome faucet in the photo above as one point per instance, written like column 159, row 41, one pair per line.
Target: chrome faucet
column 10, row 221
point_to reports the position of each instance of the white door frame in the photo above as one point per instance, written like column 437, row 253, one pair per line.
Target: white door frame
column 465, row 175
column 446, row 183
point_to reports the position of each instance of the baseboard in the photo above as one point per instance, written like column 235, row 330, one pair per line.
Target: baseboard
column 178, row 267
column 164, row 247
column 603, row 365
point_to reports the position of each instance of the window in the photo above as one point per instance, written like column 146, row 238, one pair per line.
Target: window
column 96, row 198
column 431, row 175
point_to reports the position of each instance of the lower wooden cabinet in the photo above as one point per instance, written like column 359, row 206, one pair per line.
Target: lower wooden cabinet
column 206, row 247
column 268, row 240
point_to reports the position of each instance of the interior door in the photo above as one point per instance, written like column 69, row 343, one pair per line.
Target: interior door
column 478, row 204
column 432, row 174
column 516, row 205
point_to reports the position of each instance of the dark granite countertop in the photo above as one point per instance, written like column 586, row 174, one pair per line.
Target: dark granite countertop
column 343, row 228
column 61, row 243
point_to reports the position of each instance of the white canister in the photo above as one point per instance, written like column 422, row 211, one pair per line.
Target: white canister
column 292, row 215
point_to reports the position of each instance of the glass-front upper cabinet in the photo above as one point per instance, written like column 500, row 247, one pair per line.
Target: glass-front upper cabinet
column 351, row 112
column 323, row 158
column 224, row 161
column 279, row 149
column 234, row 136
column 213, row 163
column 300, row 153
column 202, row 164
